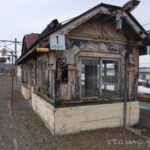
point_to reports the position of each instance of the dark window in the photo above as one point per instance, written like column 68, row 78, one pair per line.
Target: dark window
column 64, row 76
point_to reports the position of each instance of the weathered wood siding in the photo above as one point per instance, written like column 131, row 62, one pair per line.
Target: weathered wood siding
column 99, row 38
column 96, row 38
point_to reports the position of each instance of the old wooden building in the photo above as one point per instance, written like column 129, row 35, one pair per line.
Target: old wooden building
column 82, row 74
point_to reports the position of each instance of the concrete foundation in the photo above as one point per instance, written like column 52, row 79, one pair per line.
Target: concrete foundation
column 26, row 92
column 81, row 118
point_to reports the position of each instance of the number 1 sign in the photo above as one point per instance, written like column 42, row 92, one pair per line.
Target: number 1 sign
column 57, row 42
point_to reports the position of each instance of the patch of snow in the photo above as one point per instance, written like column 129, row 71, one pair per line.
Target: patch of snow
column 140, row 80
column 144, row 61
column 143, row 90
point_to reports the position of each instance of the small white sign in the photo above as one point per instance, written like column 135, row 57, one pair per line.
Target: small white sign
column 57, row 42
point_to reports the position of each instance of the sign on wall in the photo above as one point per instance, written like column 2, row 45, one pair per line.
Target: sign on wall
column 57, row 42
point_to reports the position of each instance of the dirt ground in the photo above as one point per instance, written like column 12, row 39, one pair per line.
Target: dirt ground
column 21, row 129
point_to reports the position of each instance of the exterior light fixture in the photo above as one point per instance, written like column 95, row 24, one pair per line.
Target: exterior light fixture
column 130, row 5
column 127, row 7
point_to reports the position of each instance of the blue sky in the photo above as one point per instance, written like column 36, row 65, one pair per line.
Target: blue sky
column 19, row 17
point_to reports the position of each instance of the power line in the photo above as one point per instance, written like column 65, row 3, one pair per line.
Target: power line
column 145, row 63
column 146, row 24
column 10, row 41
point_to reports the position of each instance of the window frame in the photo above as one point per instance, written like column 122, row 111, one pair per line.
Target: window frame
column 40, row 61
column 84, row 58
column 100, row 59
column 119, row 71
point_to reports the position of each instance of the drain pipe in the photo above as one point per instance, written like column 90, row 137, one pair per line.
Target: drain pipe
column 128, row 50
column 126, row 90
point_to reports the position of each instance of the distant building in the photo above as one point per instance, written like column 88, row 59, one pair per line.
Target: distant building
column 148, row 50
column 5, row 69
column 144, row 74
column 144, row 68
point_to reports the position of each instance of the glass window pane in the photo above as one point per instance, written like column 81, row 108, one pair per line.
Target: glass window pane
column 109, row 86
column 110, row 69
column 43, row 76
column 91, row 73
column 89, row 78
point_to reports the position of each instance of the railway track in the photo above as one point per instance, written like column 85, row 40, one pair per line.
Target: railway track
column 144, row 98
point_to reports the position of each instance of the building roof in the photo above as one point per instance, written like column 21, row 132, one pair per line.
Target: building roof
column 28, row 41
column 75, row 22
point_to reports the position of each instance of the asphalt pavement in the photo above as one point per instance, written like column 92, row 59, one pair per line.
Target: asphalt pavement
column 22, row 129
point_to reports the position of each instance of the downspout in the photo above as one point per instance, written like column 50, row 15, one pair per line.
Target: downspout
column 55, row 85
column 57, row 101
column 126, row 57
column 126, row 82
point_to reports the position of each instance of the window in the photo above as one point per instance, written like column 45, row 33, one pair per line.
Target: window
column 109, row 84
column 62, row 73
column 89, row 78
column 64, row 76
column 43, row 76
column 99, row 78
column 24, row 74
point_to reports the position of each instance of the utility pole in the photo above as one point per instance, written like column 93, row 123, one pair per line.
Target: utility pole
column 16, row 59
column 12, row 81
column 6, row 46
column 15, row 49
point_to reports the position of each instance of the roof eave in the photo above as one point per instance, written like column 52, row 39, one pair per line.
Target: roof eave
column 99, row 9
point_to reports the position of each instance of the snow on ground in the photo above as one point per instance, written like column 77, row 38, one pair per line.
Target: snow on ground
column 142, row 89
column 144, row 61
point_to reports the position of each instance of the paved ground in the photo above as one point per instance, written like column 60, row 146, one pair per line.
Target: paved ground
column 145, row 118
column 144, row 123
column 21, row 129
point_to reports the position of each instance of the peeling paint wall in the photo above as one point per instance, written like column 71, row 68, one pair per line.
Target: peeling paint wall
column 96, row 38
column 100, row 39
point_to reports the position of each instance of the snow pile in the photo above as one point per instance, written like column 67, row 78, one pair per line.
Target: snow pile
column 144, row 61
column 143, row 90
